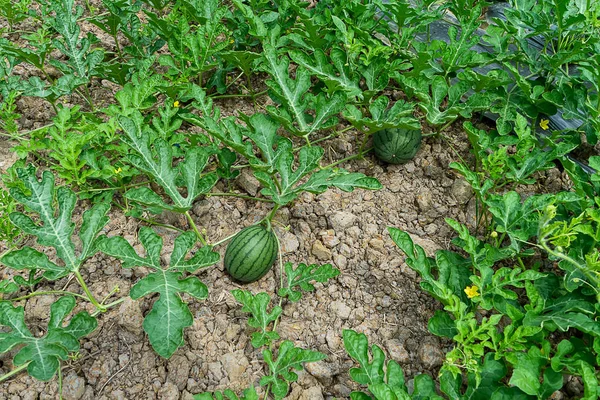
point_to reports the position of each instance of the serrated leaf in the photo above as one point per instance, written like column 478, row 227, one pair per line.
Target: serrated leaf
column 81, row 60
column 156, row 159
column 302, row 276
column 333, row 73
column 261, row 319
column 169, row 316
column 399, row 116
column 370, row 371
column 289, row 358
column 321, row 180
column 43, row 354
column 294, row 96
column 56, row 229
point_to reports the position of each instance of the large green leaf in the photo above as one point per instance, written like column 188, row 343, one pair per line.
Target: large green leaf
column 56, row 229
column 294, row 97
column 43, row 354
column 156, row 159
column 81, row 60
column 170, row 315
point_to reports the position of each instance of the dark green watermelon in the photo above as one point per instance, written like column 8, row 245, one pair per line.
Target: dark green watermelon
column 396, row 146
column 251, row 254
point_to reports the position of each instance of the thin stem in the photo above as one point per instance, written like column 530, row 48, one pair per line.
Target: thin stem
column 232, row 96
column 85, row 288
column 60, row 383
column 115, row 187
column 109, row 305
column 352, row 157
column 241, row 196
column 223, row 240
column 195, row 228
column 269, row 217
column 13, row 372
column 48, row 292
column 167, row 226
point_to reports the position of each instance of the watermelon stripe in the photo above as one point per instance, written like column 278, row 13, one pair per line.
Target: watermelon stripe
column 262, row 261
column 251, row 254
column 239, row 243
column 396, row 145
column 246, row 257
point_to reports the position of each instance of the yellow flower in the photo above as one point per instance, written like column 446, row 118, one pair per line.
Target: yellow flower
column 176, row 104
column 118, row 170
column 494, row 234
column 544, row 124
column 472, row 291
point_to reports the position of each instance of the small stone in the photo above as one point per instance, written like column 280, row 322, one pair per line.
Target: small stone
column 216, row 369
column 574, row 387
column 168, row 391
column 340, row 220
column 185, row 395
column 431, row 355
column 320, row 251
column 289, row 243
column 118, row 395
column 341, row 390
column 248, row 182
column 329, row 239
column 424, row 200
column 73, row 387
column 461, row 191
column 201, row 208
column 314, row 393
column 130, row 316
column 558, row 395
column 397, row 351
column 235, row 365
column 179, row 371
column 376, row 244
column 340, row 261
column 341, row 309
column 333, row 339
column 324, row 372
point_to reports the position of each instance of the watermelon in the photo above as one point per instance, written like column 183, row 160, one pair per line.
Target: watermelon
column 396, row 146
column 251, row 254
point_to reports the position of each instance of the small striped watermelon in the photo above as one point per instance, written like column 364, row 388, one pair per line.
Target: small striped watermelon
column 251, row 254
column 396, row 146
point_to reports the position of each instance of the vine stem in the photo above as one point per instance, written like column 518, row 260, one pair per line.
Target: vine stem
column 85, row 288
column 60, row 383
column 241, row 196
column 280, row 303
column 223, row 240
column 270, row 216
column 47, row 292
column 195, row 228
column 352, row 157
column 233, row 96
column 14, row 372
column 109, row 305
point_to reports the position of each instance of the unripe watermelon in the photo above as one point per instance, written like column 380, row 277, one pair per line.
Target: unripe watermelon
column 396, row 146
column 251, row 254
